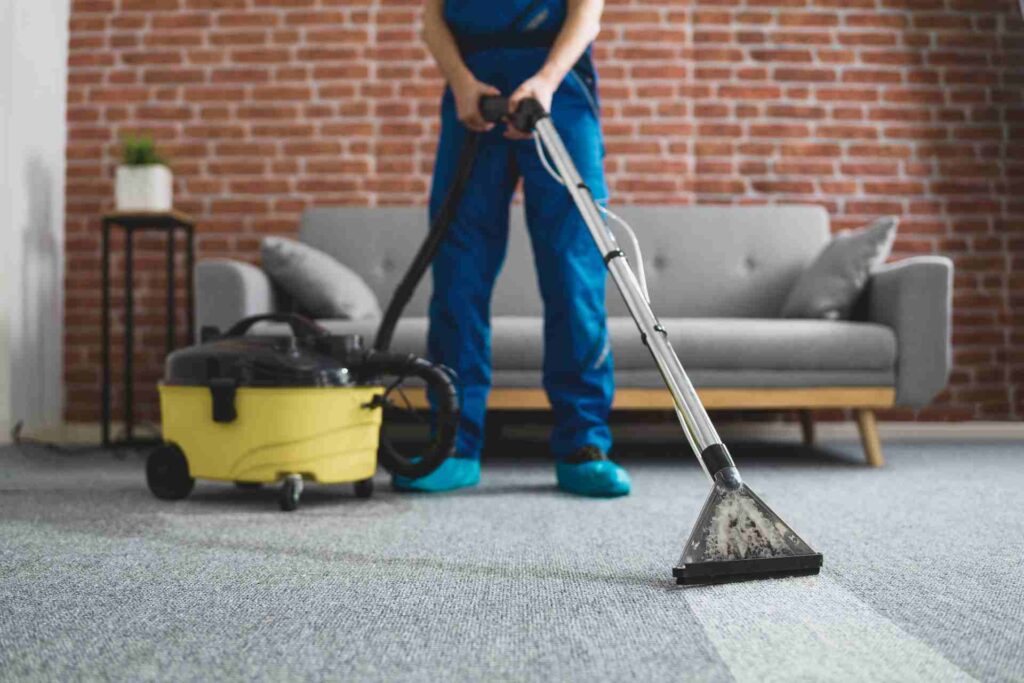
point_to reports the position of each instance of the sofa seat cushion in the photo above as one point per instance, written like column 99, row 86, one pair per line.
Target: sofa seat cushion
column 716, row 344
column 762, row 344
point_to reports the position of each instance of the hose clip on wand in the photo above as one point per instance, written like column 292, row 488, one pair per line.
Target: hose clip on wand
column 737, row 536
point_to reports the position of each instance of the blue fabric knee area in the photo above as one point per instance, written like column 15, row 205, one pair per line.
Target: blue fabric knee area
column 597, row 479
column 454, row 473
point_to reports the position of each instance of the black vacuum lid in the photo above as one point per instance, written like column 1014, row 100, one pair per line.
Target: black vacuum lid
column 298, row 360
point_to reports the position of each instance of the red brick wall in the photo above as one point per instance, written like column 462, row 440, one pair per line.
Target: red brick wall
column 266, row 107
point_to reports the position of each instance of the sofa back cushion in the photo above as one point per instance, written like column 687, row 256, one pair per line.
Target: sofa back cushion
column 701, row 261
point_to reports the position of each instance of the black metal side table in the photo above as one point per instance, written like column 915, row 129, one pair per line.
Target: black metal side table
column 169, row 222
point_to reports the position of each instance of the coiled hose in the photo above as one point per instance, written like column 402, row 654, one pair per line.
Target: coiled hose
column 376, row 364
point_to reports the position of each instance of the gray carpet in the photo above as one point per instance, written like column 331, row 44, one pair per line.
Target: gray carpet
column 923, row 581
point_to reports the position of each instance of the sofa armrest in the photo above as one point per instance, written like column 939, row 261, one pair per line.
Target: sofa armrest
column 228, row 290
column 914, row 298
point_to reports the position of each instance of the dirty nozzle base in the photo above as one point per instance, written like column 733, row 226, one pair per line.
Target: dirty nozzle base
column 737, row 537
column 729, row 571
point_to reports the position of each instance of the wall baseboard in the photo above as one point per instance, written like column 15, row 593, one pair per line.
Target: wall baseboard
column 78, row 433
column 891, row 432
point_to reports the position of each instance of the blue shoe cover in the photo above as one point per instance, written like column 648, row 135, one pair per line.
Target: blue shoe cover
column 454, row 473
column 596, row 479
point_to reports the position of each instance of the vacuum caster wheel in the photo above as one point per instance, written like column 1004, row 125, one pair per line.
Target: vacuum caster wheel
column 364, row 488
column 291, row 491
column 167, row 473
column 248, row 485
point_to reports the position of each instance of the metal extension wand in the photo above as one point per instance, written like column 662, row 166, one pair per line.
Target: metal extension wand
column 737, row 536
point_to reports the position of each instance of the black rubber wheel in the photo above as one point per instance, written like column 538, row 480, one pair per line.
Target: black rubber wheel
column 248, row 485
column 291, row 491
column 167, row 473
column 363, row 488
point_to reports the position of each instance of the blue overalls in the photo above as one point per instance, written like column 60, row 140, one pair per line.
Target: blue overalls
column 503, row 43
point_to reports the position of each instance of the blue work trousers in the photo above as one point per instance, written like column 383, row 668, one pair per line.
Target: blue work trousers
column 577, row 368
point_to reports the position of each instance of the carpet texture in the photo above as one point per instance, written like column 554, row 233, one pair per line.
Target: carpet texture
column 923, row 577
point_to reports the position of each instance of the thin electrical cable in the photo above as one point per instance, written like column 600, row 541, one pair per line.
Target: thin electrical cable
column 544, row 161
column 641, row 275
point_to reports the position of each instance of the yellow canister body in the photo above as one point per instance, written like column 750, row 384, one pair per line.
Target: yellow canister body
column 326, row 434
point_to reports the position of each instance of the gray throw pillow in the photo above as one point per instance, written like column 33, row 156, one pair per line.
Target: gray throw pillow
column 830, row 286
column 319, row 283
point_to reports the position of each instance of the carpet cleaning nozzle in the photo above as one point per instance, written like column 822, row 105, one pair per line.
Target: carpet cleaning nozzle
column 737, row 536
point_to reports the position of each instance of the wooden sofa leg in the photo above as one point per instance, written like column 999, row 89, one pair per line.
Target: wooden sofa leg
column 807, row 427
column 869, row 436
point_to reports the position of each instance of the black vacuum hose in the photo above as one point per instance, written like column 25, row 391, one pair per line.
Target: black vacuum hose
column 429, row 248
column 493, row 109
column 446, row 418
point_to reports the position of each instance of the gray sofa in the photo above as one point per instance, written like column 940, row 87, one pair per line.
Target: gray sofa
column 718, row 277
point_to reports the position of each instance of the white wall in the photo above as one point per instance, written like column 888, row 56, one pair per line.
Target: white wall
column 33, row 86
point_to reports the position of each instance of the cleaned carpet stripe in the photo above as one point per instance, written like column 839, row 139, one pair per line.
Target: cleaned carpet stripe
column 810, row 628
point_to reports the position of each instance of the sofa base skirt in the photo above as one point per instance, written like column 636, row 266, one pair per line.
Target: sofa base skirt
column 732, row 390
column 723, row 398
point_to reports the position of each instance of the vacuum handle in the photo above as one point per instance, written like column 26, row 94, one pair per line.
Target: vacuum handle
column 302, row 326
column 494, row 109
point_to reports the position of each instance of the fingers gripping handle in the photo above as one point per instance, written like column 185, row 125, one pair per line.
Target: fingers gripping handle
column 494, row 109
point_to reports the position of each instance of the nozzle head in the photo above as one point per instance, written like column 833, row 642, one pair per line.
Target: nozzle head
column 738, row 537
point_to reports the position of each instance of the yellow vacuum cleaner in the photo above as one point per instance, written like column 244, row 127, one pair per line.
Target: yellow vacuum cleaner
column 263, row 409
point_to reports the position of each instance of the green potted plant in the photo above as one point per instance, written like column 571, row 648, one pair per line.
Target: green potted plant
column 144, row 182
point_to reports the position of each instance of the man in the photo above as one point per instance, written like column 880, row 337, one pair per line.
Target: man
column 538, row 49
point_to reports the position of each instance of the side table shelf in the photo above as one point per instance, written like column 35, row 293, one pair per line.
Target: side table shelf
column 169, row 222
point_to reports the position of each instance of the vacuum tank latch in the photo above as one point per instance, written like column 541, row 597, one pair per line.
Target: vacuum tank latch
column 223, row 389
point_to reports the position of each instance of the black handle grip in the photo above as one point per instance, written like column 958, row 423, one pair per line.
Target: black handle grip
column 494, row 109
column 301, row 326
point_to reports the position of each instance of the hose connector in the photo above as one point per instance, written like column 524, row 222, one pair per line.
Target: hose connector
column 720, row 467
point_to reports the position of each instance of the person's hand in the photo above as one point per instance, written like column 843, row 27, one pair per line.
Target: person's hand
column 467, row 102
column 541, row 88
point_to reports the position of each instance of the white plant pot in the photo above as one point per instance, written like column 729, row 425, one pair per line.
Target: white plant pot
column 144, row 188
